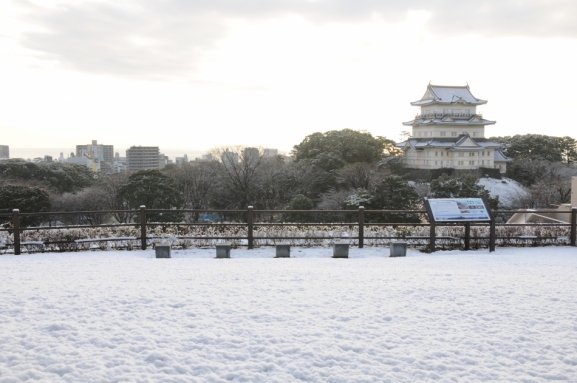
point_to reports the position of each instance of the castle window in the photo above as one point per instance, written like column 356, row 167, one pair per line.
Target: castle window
column 461, row 154
column 456, row 112
column 445, row 111
column 474, row 134
column 472, row 154
column 454, row 134
column 471, row 162
column 460, row 162
column 442, row 154
column 443, row 134
column 436, row 154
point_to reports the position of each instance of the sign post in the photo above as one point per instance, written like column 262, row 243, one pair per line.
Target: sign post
column 460, row 210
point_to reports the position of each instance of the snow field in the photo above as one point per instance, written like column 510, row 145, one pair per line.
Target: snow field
column 450, row 316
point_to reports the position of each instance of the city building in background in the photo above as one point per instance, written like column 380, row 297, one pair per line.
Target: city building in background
column 181, row 161
column 86, row 161
column 250, row 153
column 163, row 161
column 104, row 154
column 268, row 152
column 143, row 157
column 229, row 158
column 4, row 151
column 120, row 164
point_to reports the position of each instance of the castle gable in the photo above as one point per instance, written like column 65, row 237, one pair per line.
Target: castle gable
column 467, row 141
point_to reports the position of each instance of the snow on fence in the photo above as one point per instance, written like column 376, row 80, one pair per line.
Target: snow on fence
column 270, row 230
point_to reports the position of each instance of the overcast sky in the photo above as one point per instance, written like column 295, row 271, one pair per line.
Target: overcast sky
column 190, row 75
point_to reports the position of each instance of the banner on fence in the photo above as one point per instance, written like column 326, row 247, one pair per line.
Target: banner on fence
column 458, row 210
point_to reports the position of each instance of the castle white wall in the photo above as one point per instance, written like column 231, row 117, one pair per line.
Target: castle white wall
column 442, row 158
column 448, row 109
column 448, row 131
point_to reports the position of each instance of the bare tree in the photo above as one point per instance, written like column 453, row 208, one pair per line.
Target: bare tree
column 238, row 169
column 196, row 182
column 113, row 200
column 356, row 176
column 85, row 201
column 552, row 185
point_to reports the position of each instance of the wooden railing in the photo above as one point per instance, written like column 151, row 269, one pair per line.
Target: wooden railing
column 248, row 222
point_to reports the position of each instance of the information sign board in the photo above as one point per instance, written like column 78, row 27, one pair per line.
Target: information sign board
column 458, row 210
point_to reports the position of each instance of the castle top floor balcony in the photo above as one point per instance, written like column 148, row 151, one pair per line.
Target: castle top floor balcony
column 443, row 115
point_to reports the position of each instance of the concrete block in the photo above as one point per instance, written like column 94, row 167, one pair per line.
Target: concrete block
column 398, row 249
column 341, row 250
column 162, row 251
column 283, row 250
column 223, row 250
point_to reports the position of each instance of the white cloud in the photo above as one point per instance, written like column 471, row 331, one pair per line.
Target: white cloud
column 168, row 39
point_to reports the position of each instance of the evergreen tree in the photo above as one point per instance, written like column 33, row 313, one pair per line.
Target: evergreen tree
column 62, row 177
column 540, row 146
column 335, row 148
column 299, row 202
column 155, row 190
column 390, row 192
column 25, row 198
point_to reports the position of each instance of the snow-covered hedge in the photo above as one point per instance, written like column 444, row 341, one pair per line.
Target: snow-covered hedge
column 176, row 236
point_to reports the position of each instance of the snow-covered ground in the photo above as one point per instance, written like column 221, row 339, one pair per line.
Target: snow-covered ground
column 507, row 189
column 508, row 316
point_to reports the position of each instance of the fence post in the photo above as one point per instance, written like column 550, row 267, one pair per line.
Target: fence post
column 361, row 226
column 573, row 226
column 432, row 238
column 143, row 227
column 467, row 236
column 16, row 224
column 249, row 223
column 492, row 235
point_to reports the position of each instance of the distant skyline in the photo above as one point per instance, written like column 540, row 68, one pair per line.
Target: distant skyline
column 201, row 74
column 32, row 153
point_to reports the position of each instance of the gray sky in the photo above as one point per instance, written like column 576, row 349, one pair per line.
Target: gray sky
column 192, row 75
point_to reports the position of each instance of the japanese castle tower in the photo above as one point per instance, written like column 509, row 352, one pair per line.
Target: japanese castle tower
column 448, row 132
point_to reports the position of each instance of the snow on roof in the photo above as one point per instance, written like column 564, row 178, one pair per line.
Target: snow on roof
column 455, row 143
column 466, row 140
column 442, row 94
column 443, row 121
column 499, row 156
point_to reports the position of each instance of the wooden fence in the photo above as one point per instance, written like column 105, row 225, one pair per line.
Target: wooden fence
column 357, row 218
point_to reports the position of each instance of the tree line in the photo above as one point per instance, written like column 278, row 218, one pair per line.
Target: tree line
column 544, row 165
column 335, row 170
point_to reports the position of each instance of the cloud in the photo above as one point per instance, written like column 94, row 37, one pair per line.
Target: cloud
column 167, row 38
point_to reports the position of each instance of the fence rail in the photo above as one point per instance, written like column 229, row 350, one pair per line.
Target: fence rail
column 249, row 225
